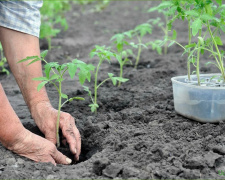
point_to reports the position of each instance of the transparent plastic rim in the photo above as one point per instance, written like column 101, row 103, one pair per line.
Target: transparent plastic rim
column 176, row 81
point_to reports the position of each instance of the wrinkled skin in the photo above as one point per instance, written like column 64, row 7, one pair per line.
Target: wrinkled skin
column 67, row 124
column 37, row 148
column 13, row 135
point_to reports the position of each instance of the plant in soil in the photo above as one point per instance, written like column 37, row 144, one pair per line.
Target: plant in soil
column 165, row 26
column 139, row 32
column 122, row 54
column 54, row 74
column 52, row 15
column 3, row 61
column 206, row 20
column 104, row 54
column 172, row 11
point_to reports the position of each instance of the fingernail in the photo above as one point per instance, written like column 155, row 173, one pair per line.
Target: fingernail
column 68, row 160
column 75, row 150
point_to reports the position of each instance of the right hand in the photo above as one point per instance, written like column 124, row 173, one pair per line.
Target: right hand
column 37, row 148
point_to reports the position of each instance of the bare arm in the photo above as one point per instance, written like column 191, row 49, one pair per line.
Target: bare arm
column 18, row 46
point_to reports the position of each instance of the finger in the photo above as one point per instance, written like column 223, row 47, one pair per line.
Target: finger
column 45, row 159
column 68, row 133
column 71, row 139
column 60, row 158
column 78, row 142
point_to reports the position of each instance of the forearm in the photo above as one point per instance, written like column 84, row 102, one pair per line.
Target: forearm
column 10, row 125
column 18, row 46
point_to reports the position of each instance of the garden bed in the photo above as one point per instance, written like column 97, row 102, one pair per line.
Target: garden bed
column 136, row 132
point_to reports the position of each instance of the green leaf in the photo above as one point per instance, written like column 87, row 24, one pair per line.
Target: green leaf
column 35, row 60
column 165, row 4
column 196, row 26
column 129, row 33
column 202, row 51
column 174, row 37
column 192, row 60
column 219, row 2
column 114, row 80
column 218, row 40
column 93, row 107
column 54, row 76
column 143, row 29
column 119, row 47
column 44, row 53
column 28, row 58
column 201, row 40
column 82, row 76
column 206, row 17
column 190, row 45
column 72, row 69
column 110, row 75
column 47, row 70
column 40, row 79
column 192, row 13
column 76, row 98
column 119, row 38
column 121, row 79
column 64, row 96
column 209, row 9
column 41, row 85
column 86, row 88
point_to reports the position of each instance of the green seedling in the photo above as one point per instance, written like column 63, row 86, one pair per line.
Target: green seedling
column 104, row 54
column 140, row 31
column 52, row 15
column 121, row 53
column 173, row 10
column 205, row 19
column 54, row 74
column 166, row 14
column 3, row 61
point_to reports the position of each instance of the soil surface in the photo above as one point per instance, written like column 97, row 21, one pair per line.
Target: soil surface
column 136, row 132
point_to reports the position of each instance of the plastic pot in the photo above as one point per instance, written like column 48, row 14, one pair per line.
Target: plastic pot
column 201, row 103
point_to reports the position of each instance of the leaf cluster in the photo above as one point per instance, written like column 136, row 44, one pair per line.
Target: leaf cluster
column 53, row 14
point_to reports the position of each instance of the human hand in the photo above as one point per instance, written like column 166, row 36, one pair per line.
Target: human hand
column 36, row 148
column 45, row 116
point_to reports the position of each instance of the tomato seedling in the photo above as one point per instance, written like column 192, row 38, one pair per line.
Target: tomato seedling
column 104, row 54
column 206, row 20
column 121, row 53
column 173, row 10
column 140, row 31
column 53, row 14
column 54, row 74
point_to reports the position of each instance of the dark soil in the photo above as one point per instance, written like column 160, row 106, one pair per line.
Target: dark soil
column 136, row 132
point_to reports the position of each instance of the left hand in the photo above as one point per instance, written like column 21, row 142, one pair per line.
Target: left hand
column 45, row 116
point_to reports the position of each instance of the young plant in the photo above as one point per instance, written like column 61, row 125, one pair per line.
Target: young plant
column 205, row 19
column 3, row 61
column 173, row 10
column 53, row 14
column 104, row 54
column 121, row 53
column 54, row 74
column 140, row 31
column 166, row 14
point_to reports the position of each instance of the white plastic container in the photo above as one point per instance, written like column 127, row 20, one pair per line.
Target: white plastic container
column 201, row 103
